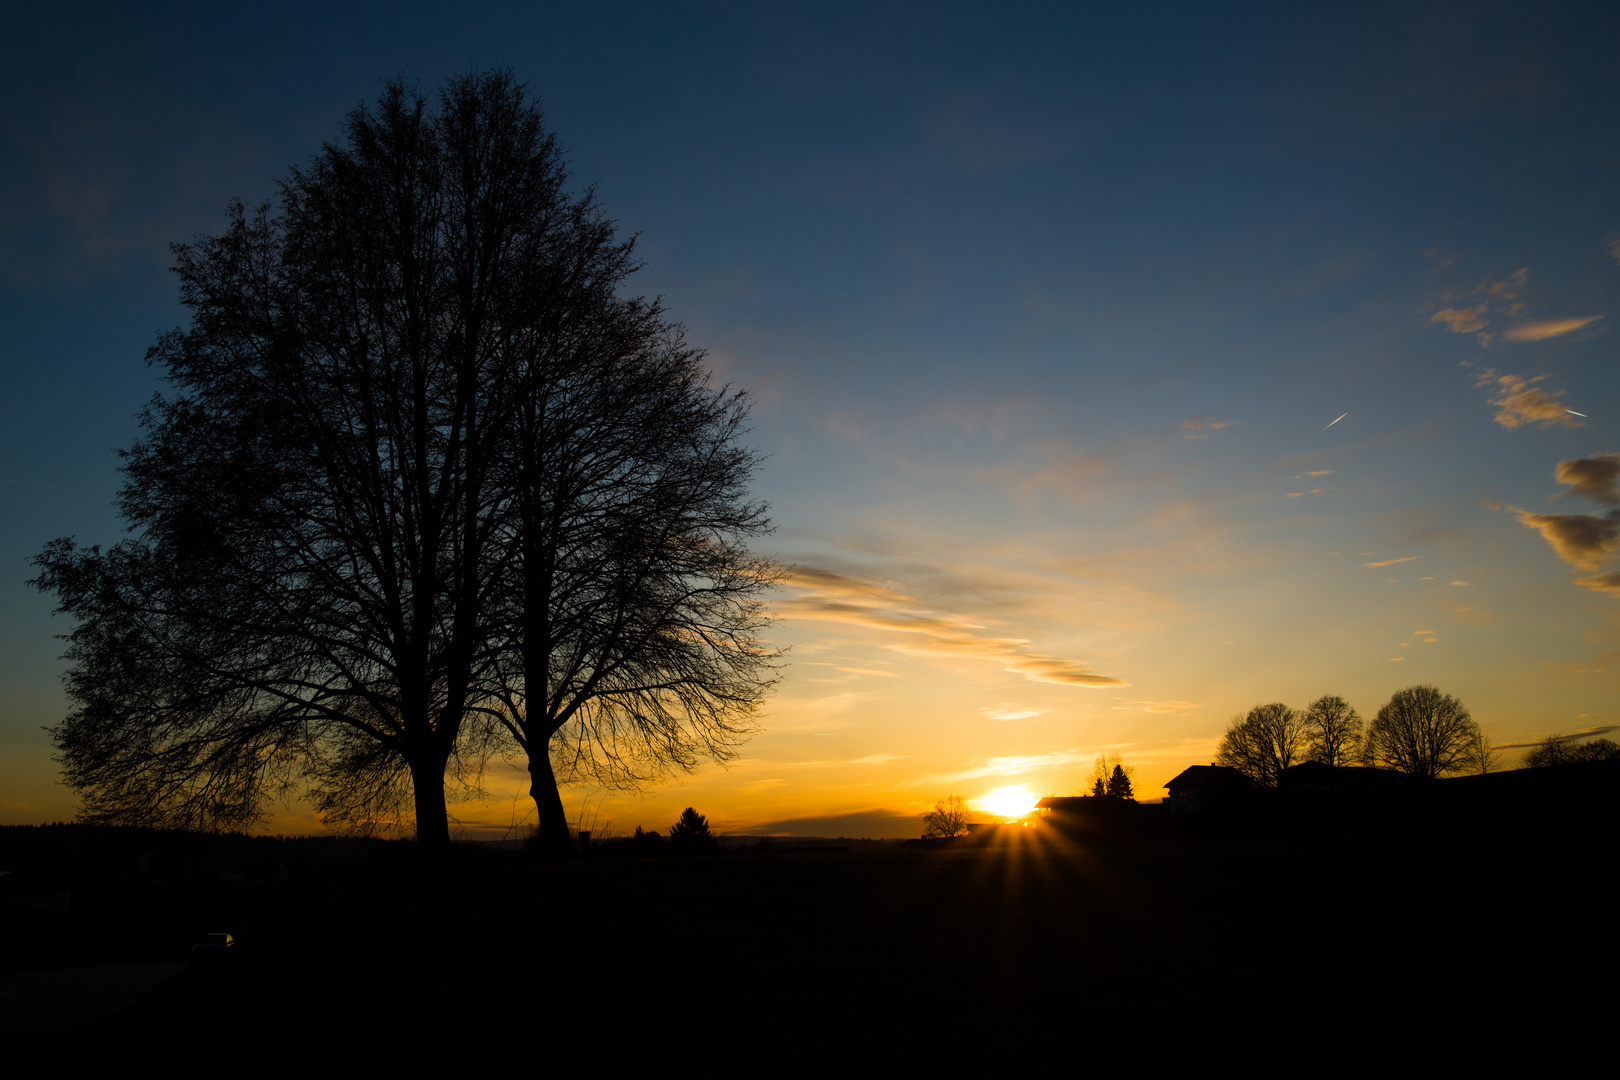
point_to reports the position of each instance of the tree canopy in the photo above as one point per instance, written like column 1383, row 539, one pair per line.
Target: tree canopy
column 1264, row 742
column 424, row 487
column 1334, row 729
column 1423, row 732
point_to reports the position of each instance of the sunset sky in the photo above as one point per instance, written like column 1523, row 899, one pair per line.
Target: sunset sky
column 1047, row 319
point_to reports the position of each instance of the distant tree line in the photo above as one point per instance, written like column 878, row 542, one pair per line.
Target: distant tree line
column 1419, row 731
column 1563, row 750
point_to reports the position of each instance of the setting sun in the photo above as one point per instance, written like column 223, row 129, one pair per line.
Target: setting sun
column 1006, row 802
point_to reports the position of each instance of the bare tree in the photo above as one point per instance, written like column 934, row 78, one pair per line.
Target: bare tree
column 1264, row 742
column 425, row 485
column 1334, row 729
column 303, row 601
column 1481, row 757
column 948, row 818
column 632, row 606
column 1423, row 732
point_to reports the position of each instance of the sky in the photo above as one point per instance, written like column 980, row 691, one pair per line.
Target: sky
column 1114, row 371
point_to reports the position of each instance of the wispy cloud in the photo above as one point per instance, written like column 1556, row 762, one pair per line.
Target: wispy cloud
column 1519, row 401
column 1549, row 328
column 1462, row 320
column 1008, row 710
column 1051, row 466
column 1584, row 733
column 1471, row 310
column 853, row 670
column 1013, row 765
column 1163, row 708
column 1199, row 427
column 1391, row 562
column 833, row 597
column 1608, row 583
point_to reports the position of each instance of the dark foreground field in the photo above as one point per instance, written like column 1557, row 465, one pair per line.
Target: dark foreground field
column 1356, row 955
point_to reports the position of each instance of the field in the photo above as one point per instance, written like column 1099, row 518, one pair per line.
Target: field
column 1388, row 953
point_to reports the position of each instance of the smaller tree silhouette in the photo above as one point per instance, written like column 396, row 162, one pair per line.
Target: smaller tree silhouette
column 690, row 835
column 1119, row 784
column 1335, row 731
column 1480, row 756
column 1102, row 779
column 948, row 818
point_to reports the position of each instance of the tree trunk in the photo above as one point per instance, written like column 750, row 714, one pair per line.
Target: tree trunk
column 432, row 820
column 554, row 840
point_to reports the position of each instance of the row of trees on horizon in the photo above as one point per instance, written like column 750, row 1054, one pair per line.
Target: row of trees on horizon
column 1420, row 731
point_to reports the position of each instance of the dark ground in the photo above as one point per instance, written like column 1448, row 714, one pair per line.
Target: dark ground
column 1389, row 953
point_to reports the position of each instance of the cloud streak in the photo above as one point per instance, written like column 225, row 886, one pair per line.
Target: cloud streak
column 1391, row 562
column 1549, row 328
column 831, row 597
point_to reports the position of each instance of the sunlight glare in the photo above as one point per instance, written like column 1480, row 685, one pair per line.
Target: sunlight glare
column 1006, row 802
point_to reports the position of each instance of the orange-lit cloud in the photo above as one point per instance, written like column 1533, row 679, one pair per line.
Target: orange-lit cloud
column 1462, row 320
column 1471, row 316
column 1391, row 562
column 832, row 597
column 1596, row 478
column 1199, row 427
column 1549, row 328
column 1608, row 583
column 1519, row 401
column 1584, row 541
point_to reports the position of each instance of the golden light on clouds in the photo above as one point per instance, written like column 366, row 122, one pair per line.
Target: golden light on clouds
column 1391, row 562
column 1596, row 478
column 1519, row 401
column 1584, row 541
column 1549, row 328
column 827, row 596
column 1461, row 320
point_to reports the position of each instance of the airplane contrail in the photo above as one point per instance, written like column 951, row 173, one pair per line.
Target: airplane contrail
column 1572, row 412
column 1340, row 417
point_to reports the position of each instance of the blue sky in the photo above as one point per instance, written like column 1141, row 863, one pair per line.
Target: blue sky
column 1044, row 314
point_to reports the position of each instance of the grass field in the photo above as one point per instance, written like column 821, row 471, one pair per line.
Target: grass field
column 1376, row 954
